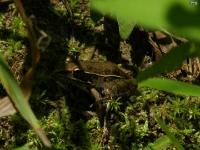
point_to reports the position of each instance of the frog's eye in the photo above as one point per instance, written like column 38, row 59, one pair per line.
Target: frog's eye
column 71, row 67
column 68, row 60
column 76, row 69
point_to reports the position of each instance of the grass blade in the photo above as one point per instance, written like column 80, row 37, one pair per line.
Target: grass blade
column 170, row 61
column 21, row 103
column 172, row 86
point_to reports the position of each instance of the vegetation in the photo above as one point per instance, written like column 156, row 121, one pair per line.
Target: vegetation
column 99, row 74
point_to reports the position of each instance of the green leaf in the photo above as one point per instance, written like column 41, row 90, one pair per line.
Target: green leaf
column 161, row 143
column 177, row 16
column 18, row 98
column 125, row 28
column 170, row 135
column 95, row 16
column 25, row 147
column 172, row 86
column 170, row 61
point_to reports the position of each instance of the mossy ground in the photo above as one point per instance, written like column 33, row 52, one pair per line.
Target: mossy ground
column 132, row 123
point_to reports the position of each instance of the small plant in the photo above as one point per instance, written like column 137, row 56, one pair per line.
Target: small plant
column 18, row 27
column 55, row 129
column 113, row 105
column 14, row 46
column 74, row 47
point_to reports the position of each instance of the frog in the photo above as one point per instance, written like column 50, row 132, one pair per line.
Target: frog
column 104, row 80
column 107, row 78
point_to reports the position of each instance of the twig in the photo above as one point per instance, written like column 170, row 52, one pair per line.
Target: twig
column 26, row 83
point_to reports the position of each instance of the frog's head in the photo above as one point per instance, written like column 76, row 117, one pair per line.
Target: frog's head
column 70, row 66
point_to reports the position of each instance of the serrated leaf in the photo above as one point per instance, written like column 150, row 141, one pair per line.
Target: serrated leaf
column 172, row 86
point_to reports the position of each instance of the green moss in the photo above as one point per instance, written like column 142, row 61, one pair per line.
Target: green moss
column 65, row 134
column 18, row 27
column 94, row 132
column 58, row 129
column 12, row 35
column 14, row 46
column 1, row 20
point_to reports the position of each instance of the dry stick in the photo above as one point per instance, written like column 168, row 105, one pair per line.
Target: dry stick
column 6, row 1
column 35, row 59
column 26, row 83
column 6, row 107
column 98, row 99
column 105, row 127
column 103, row 75
column 31, row 33
column 198, row 64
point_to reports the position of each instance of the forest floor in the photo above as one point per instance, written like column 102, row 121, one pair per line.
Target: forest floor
column 83, row 90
